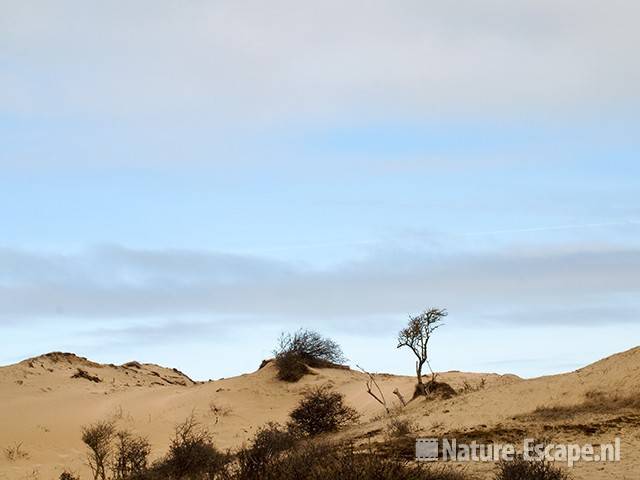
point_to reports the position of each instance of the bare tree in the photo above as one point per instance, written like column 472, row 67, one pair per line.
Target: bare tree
column 98, row 437
column 416, row 336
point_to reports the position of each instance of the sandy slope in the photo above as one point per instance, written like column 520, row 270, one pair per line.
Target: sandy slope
column 43, row 407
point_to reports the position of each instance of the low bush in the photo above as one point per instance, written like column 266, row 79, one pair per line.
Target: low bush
column 66, row 475
column 400, row 427
column 520, row 469
column 321, row 410
column 312, row 460
column 192, row 454
column 268, row 444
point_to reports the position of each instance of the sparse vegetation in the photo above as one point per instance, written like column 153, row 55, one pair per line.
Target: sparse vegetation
column 321, row 410
column 80, row 373
column 300, row 350
column 469, row 388
column 520, row 469
column 416, row 336
column 15, row 452
column 218, row 411
column 594, row 402
column 400, row 427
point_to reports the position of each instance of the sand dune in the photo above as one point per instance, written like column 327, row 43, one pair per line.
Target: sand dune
column 45, row 401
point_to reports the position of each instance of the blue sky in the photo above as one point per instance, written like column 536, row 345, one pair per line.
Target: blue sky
column 178, row 184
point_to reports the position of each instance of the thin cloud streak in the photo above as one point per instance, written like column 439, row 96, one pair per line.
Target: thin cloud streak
column 128, row 283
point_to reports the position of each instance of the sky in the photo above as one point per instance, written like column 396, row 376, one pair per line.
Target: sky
column 182, row 181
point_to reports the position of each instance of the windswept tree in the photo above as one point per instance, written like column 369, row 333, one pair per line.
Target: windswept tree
column 416, row 336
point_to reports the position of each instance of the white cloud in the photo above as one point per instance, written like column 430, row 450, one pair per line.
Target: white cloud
column 258, row 61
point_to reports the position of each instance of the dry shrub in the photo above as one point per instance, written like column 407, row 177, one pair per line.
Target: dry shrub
column 400, row 427
column 300, row 350
column 312, row 460
column 66, row 475
column 218, row 411
column 321, row 410
column 520, row 469
column 468, row 388
column 98, row 437
column 131, row 455
column 15, row 452
column 192, row 454
column 434, row 389
column 268, row 444
column 291, row 367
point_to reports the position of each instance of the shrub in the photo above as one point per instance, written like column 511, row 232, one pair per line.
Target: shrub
column 66, row 475
column 15, row 452
column 322, row 461
column 434, row 389
column 86, row 375
column 321, row 410
column 291, row 367
column 98, row 438
column 520, row 469
column 302, row 349
column 191, row 454
column 131, row 455
column 268, row 444
column 399, row 427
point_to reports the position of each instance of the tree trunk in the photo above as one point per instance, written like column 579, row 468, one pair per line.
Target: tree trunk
column 419, row 372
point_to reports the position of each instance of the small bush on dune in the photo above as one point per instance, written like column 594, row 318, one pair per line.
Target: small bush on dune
column 321, row 410
column 268, row 444
column 300, row 350
column 192, row 454
column 291, row 367
column 400, row 427
column 434, row 390
column 520, row 469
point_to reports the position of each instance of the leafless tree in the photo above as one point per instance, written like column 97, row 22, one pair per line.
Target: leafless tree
column 416, row 336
